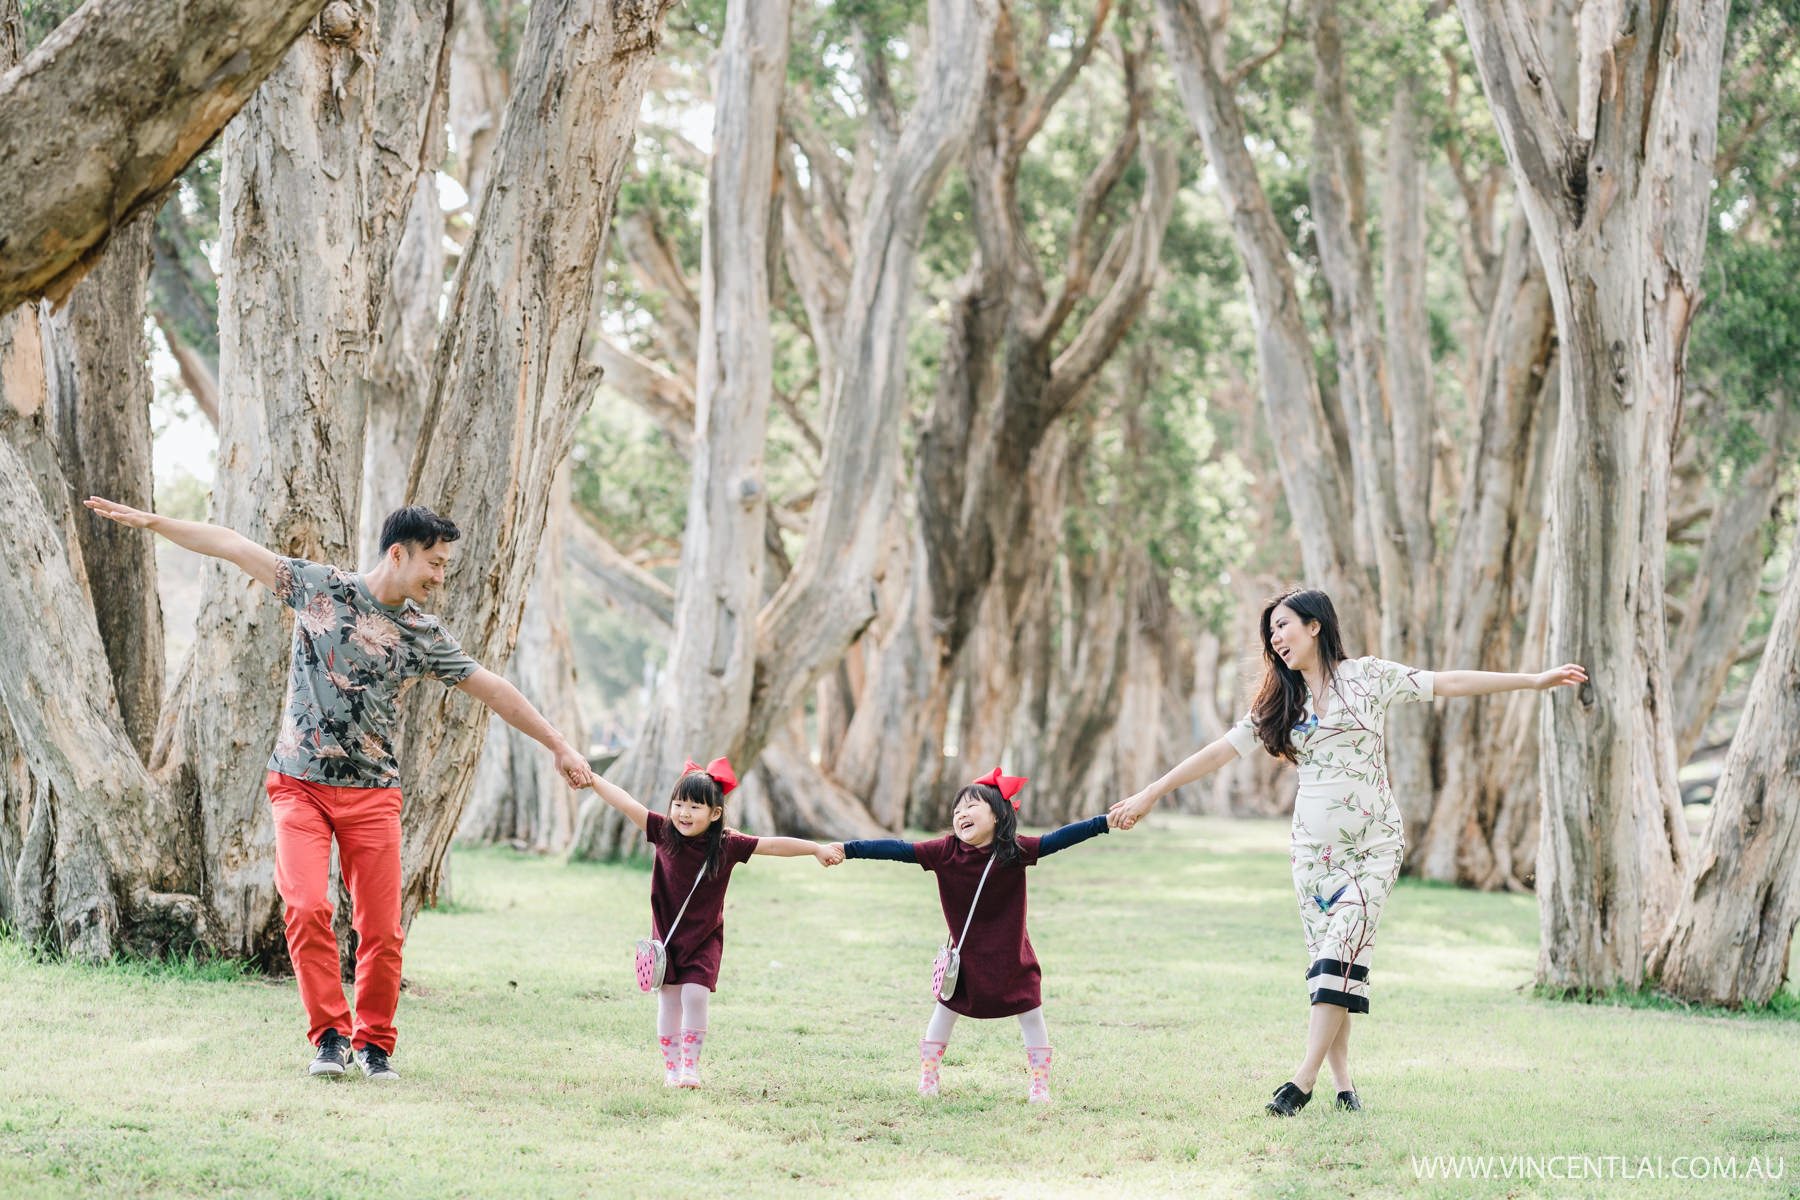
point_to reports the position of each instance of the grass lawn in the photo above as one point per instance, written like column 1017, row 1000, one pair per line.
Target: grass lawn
column 1172, row 985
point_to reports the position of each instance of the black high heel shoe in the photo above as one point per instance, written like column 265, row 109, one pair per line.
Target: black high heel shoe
column 1288, row 1101
column 1349, row 1102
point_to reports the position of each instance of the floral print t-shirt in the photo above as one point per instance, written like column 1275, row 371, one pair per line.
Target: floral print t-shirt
column 351, row 655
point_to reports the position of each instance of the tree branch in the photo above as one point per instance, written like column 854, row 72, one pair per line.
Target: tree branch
column 109, row 111
column 1040, row 106
column 1522, row 95
column 1255, row 63
column 1108, row 324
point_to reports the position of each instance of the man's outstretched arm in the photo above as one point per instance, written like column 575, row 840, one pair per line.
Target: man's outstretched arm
column 215, row 541
column 516, row 710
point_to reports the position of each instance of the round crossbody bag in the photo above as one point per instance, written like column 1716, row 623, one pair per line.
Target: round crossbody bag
column 949, row 956
column 653, row 954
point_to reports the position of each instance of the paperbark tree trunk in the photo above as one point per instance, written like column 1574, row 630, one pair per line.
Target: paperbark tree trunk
column 1726, row 580
column 98, row 865
column 1730, row 937
column 318, row 178
column 1010, row 373
column 1617, row 199
column 101, row 404
column 1317, row 494
column 1487, row 577
column 109, row 111
column 519, row 798
column 704, row 703
column 828, row 598
column 509, row 375
column 93, row 850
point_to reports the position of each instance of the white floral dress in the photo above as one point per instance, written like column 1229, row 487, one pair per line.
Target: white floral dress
column 1347, row 838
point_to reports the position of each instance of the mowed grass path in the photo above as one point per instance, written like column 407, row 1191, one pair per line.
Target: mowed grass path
column 1172, row 963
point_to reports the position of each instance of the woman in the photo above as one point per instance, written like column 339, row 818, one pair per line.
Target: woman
column 1326, row 714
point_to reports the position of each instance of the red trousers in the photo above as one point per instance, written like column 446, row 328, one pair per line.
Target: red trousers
column 366, row 822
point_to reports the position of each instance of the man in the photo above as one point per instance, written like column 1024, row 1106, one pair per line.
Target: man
column 357, row 639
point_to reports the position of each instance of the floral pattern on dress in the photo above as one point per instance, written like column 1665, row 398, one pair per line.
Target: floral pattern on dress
column 1348, row 839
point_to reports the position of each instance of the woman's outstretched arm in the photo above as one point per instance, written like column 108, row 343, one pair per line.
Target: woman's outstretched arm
column 1198, row 765
column 1486, row 683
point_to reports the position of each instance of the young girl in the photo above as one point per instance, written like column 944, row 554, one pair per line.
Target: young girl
column 999, row 974
column 694, row 857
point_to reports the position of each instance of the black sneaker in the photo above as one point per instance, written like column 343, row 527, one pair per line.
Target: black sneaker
column 333, row 1055
column 1349, row 1102
column 374, row 1063
column 1288, row 1101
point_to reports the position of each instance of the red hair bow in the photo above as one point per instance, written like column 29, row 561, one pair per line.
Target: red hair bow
column 719, row 769
column 1009, row 785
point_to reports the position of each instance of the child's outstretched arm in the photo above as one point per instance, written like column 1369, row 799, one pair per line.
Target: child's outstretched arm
column 891, row 849
column 1069, row 835
column 622, row 800
column 788, row 847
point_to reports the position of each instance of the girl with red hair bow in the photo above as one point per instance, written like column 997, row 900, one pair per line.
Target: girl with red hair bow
column 980, row 868
column 694, row 857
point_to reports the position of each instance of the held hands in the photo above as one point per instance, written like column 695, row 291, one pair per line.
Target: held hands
column 830, row 855
column 124, row 514
column 1128, row 811
column 1567, row 675
column 574, row 768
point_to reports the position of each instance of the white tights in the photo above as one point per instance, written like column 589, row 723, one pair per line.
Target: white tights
column 1031, row 1026
column 681, row 1006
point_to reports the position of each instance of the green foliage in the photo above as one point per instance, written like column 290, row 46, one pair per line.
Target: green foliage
column 1745, row 345
column 183, row 497
column 628, row 479
column 184, row 291
column 616, row 653
column 41, row 17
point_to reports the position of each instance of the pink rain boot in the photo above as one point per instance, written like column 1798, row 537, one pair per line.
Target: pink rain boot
column 1038, row 1059
column 931, row 1057
column 691, row 1041
column 671, row 1052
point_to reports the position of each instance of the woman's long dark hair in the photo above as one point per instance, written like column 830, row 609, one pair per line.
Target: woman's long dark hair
column 697, row 787
column 1280, row 702
column 1006, row 820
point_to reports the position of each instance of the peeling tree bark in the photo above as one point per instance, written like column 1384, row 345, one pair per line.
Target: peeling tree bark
column 1486, row 579
column 704, row 702
column 95, row 870
column 1729, row 940
column 1617, row 201
column 101, row 406
column 519, row 797
column 99, row 120
column 318, row 178
column 509, row 375
column 1726, row 581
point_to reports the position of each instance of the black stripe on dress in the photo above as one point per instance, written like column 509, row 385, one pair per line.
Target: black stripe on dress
column 1356, row 1004
column 1331, row 966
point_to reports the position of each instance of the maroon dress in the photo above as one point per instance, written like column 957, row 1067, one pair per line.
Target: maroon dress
column 999, row 975
column 699, row 941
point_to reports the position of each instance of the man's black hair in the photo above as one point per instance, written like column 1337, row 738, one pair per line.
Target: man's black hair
column 418, row 527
